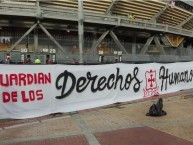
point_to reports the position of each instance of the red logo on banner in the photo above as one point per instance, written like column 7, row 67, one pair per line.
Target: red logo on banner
column 151, row 87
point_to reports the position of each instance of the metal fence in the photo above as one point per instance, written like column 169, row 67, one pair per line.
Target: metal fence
column 106, row 52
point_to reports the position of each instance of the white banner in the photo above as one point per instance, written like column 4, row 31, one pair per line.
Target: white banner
column 35, row 90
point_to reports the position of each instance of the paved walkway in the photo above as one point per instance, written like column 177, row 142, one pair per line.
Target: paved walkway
column 118, row 124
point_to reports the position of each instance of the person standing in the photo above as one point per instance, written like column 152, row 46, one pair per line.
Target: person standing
column 37, row 61
column 48, row 60
column 27, row 60
column 8, row 59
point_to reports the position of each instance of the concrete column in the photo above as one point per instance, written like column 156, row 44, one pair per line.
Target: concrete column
column 188, row 50
column 80, row 29
column 134, row 45
column 93, row 42
column 35, row 40
column 38, row 10
column 181, row 49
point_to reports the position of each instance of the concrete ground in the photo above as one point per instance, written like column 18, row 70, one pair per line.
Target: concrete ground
column 118, row 124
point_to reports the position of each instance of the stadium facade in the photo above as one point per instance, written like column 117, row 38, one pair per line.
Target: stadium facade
column 89, row 31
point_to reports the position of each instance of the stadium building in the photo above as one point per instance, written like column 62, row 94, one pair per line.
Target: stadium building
column 90, row 31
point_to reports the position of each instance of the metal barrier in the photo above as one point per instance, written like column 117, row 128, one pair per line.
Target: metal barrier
column 109, row 52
